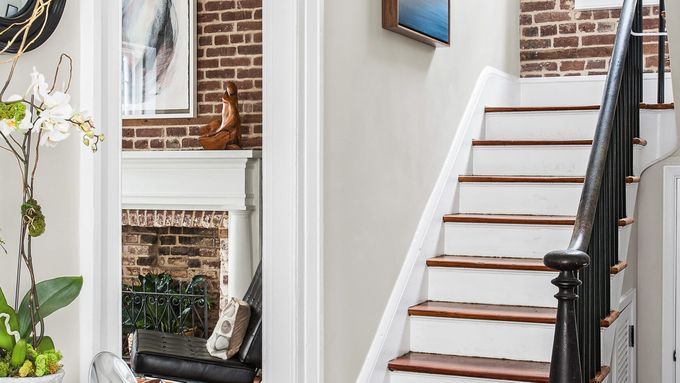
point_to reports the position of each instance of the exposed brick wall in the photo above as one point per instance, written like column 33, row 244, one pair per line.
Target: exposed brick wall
column 557, row 40
column 181, row 252
column 229, row 49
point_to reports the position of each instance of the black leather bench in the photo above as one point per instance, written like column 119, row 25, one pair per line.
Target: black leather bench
column 186, row 359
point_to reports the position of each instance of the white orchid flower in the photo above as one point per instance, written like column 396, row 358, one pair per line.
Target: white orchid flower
column 9, row 126
column 27, row 123
column 53, row 121
column 14, row 98
column 6, row 128
column 53, row 129
column 39, row 87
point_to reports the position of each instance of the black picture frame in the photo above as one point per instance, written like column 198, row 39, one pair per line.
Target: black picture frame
column 53, row 18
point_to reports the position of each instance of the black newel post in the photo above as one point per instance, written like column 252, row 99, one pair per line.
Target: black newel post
column 565, row 365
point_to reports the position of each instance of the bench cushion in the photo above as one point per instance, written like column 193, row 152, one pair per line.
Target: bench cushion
column 184, row 358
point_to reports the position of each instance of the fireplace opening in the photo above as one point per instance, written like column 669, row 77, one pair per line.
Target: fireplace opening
column 173, row 263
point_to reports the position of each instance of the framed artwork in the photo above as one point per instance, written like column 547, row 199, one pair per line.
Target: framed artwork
column 159, row 59
column 428, row 21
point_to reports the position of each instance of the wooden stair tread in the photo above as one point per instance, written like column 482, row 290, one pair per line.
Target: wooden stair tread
column 533, row 179
column 471, row 367
column 472, row 262
column 658, row 106
column 636, row 141
column 500, row 263
column 482, row 368
column 510, row 109
column 520, row 219
column 505, row 313
column 485, row 312
column 530, row 142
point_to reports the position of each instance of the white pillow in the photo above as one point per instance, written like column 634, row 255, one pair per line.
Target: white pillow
column 226, row 339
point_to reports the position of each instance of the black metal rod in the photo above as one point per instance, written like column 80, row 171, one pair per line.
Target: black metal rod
column 662, row 53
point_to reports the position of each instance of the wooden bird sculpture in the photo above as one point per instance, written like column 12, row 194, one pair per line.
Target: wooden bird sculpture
column 225, row 133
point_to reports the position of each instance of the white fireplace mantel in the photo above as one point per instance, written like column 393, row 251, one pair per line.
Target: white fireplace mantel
column 191, row 180
column 203, row 181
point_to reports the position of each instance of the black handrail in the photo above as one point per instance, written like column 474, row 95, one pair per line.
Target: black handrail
column 584, row 278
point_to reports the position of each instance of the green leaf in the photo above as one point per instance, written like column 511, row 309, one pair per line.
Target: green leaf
column 53, row 295
column 46, row 344
column 3, row 300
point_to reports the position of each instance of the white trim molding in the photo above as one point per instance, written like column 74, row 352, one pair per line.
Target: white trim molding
column 293, row 191
column 671, row 251
column 493, row 88
column 605, row 4
column 99, row 217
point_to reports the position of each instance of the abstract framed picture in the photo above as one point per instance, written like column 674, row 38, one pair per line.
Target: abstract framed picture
column 158, row 59
column 428, row 21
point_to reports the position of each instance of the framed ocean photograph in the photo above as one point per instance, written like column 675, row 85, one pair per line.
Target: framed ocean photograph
column 158, row 59
column 428, row 21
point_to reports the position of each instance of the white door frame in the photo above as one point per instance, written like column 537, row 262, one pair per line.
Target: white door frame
column 671, row 252
column 292, row 195
column 100, row 214
column 293, row 191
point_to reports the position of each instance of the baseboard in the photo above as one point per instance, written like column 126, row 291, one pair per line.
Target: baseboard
column 493, row 87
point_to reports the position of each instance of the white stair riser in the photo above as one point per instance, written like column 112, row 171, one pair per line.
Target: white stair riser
column 527, row 198
column 624, row 242
column 411, row 377
column 482, row 338
column 637, row 159
column 502, row 287
column 616, row 290
column 563, row 125
column 486, row 338
column 537, row 160
column 514, row 241
column 631, row 199
column 531, row 160
column 504, row 240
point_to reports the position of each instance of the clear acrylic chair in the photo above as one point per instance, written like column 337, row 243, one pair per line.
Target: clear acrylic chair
column 106, row 367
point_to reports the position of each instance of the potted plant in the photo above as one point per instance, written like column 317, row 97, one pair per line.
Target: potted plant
column 40, row 118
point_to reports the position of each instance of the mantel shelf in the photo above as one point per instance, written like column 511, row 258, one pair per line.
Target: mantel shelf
column 191, row 180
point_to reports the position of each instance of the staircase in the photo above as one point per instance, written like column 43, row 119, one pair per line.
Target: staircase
column 545, row 211
column 491, row 311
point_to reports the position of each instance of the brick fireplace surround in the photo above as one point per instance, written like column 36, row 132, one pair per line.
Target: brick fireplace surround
column 182, row 244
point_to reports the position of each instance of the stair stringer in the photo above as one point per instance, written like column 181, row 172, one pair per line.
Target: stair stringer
column 493, row 87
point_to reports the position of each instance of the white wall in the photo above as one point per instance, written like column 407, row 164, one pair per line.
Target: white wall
column 55, row 253
column 392, row 107
column 650, row 225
